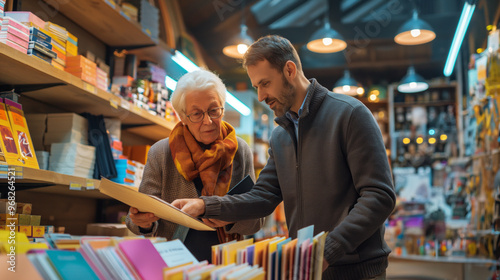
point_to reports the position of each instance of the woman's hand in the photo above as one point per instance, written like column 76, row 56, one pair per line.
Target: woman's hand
column 143, row 220
column 215, row 223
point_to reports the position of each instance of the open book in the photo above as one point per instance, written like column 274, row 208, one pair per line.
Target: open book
column 150, row 203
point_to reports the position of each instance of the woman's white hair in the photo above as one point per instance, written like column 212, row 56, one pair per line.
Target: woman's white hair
column 198, row 80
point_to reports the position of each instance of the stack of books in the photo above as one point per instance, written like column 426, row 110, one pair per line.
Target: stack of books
column 72, row 159
column 59, row 37
column 150, row 19
column 14, row 34
column 83, row 68
column 27, row 18
column 2, row 7
column 40, row 45
column 126, row 172
column 102, row 80
column 129, row 11
column 71, row 45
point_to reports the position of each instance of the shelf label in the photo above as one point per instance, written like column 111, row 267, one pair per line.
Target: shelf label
column 90, row 88
column 114, row 103
column 125, row 105
column 90, row 184
column 75, row 186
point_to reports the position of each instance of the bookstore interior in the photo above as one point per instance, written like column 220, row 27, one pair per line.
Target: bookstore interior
column 85, row 92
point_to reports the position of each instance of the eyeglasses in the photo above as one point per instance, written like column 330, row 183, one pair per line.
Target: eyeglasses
column 198, row 116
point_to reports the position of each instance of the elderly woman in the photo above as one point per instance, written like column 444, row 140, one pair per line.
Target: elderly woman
column 202, row 156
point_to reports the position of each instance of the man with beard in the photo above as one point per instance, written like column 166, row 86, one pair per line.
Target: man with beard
column 327, row 162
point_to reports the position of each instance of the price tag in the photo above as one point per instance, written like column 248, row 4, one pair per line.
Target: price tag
column 75, row 186
column 90, row 88
column 114, row 103
column 90, row 184
column 125, row 105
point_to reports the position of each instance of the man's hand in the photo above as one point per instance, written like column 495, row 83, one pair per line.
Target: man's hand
column 215, row 223
column 193, row 206
column 143, row 220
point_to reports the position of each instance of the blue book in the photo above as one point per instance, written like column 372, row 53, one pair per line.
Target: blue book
column 37, row 40
column 71, row 265
column 35, row 32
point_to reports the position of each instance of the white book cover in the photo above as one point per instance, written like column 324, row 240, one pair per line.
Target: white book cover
column 175, row 253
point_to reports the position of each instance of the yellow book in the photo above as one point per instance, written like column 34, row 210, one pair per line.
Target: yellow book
column 8, row 144
column 21, row 134
column 229, row 251
column 258, row 257
column 73, row 37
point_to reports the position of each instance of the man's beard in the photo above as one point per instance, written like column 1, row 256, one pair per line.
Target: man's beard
column 286, row 98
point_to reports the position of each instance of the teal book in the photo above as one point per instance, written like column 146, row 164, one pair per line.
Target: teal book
column 71, row 265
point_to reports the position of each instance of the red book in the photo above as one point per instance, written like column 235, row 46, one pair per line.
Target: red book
column 142, row 255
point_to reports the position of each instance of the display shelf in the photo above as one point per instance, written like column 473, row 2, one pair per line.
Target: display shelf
column 38, row 180
column 430, row 103
column 75, row 95
column 103, row 21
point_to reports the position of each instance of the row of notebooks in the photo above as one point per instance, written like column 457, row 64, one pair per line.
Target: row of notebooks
column 281, row 258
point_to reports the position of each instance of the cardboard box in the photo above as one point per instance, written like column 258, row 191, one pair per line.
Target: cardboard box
column 24, row 220
column 26, row 230
column 38, row 231
column 24, row 208
column 35, row 220
column 4, row 206
column 6, row 219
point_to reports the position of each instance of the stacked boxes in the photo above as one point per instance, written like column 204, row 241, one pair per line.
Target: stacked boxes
column 14, row 34
column 59, row 37
column 82, row 68
column 102, row 80
column 27, row 18
column 66, row 128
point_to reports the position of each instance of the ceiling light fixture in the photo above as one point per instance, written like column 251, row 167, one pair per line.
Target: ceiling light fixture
column 463, row 23
column 326, row 40
column 415, row 32
column 347, row 85
column 412, row 82
column 189, row 66
column 239, row 44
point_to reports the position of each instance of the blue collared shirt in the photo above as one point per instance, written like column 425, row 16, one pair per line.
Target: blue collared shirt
column 294, row 117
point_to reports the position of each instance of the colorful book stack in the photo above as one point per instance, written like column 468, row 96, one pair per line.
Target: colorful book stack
column 59, row 37
column 71, row 45
column 129, row 11
column 40, row 45
column 83, row 68
column 102, row 80
column 14, row 34
column 281, row 258
column 126, row 172
column 2, row 7
column 27, row 18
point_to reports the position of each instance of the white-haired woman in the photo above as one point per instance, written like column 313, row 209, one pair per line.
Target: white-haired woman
column 202, row 156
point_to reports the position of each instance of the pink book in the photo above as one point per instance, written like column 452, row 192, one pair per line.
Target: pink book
column 14, row 46
column 14, row 23
column 26, row 18
column 144, row 258
column 14, row 31
column 303, row 258
column 13, row 38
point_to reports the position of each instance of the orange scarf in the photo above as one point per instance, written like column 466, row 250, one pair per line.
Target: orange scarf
column 214, row 166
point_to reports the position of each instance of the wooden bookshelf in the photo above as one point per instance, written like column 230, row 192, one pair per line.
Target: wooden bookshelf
column 103, row 21
column 76, row 95
column 45, row 181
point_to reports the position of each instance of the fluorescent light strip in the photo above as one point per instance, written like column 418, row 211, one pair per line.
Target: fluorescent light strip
column 171, row 83
column 189, row 66
column 463, row 23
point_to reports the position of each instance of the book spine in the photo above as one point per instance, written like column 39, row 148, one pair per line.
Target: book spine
column 39, row 55
column 14, row 23
column 34, row 32
column 14, row 45
column 15, row 39
column 15, row 31
column 44, row 51
column 40, row 41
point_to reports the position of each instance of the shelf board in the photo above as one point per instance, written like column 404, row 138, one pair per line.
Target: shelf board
column 75, row 95
column 431, row 103
column 38, row 180
column 104, row 22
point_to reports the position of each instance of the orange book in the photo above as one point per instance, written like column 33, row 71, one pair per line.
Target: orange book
column 21, row 134
column 10, row 153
